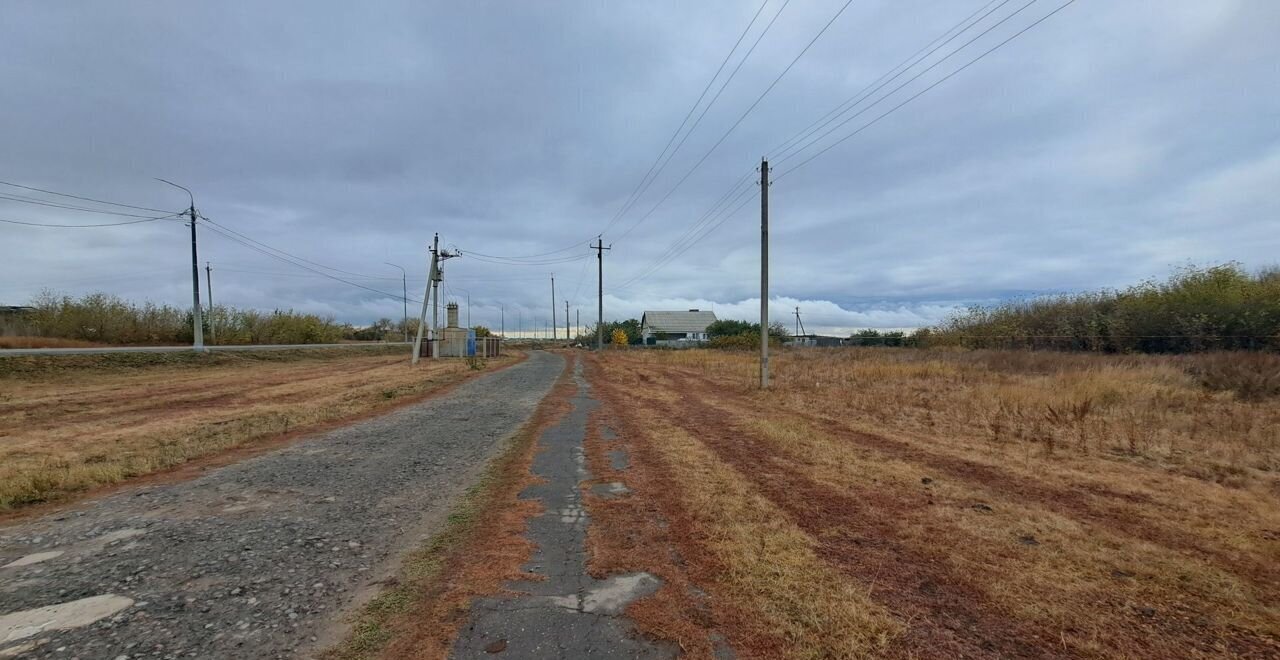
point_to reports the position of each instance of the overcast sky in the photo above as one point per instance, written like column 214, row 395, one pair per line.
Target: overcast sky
column 1115, row 141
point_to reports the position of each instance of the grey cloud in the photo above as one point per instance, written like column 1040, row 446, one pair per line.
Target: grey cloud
column 1109, row 144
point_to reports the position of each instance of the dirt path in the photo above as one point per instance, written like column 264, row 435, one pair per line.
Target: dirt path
column 257, row 559
column 568, row 613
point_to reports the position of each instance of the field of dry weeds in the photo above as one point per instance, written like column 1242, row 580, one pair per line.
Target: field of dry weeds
column 917, row 503
column 69, row 424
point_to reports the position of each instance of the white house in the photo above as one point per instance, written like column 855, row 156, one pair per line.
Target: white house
column 660, row 328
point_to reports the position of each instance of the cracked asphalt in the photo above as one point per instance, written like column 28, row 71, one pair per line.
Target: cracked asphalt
column 569, row 614
column 261, row 558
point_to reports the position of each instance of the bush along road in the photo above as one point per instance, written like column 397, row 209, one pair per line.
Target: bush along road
column 262, row 558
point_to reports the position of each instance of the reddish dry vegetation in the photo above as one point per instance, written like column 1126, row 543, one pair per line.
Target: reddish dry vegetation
column 70, row 424
column 942, row 504
column 44, row 342
column 481, row 549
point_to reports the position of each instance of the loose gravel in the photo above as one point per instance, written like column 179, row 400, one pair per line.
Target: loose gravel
column 262, row 558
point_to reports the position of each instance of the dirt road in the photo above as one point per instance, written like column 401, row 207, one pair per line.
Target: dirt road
column 257, row 559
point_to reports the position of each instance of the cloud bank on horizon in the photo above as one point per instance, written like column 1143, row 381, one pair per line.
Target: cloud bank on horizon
column 1111, row 143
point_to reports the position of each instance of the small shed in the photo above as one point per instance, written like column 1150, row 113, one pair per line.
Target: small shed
column 658, row 328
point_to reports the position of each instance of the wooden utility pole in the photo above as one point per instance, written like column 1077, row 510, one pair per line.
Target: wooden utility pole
column 553, row 307
column 764, row 274
column 567, row 337
column 600, row 248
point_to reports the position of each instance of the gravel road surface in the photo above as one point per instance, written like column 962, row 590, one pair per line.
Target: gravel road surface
column 258, row 559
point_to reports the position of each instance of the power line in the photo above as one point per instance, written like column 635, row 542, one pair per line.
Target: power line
column 288, row 254
column 672, row 255
column 889, row 76
column 635, row 194
column 230, row 236
column 543, row 262
column 87, row 199
column 742, row 117
column 675, row 250
column 727, row 198
column 31, row 200
column 104, row 224
column 923, row 91
column 469, row 253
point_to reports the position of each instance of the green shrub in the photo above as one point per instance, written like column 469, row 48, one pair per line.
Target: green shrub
column 1196, row 309
column 107, row 319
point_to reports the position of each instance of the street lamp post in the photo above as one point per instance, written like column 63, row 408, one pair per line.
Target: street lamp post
column 197, row 324
column 404, row 296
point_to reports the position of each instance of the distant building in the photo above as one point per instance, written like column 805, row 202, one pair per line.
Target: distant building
column 675, row 328
column 814, row 340
column 15, row 320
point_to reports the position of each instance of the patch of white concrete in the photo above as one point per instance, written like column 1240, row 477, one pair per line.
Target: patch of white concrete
column 617, row 592
column 610, row 490
column 63, row 616
column 34, row 558
column 571, row 514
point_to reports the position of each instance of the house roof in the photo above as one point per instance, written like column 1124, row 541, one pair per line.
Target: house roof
column 690, row 321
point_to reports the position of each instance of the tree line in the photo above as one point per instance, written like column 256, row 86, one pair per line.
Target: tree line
column 107, row 319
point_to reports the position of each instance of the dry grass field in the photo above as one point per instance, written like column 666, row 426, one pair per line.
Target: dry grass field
column 69, row 424
column 911, row 503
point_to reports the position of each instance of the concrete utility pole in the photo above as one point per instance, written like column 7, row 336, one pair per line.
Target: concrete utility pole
column 553, row 306
column 577, row 320
column 502, row 310
column 600, row 248
column 435, row 288
column 404, row 296
column 567, row 337
column 426, row 300
column 764, row 274
column 197, row 324
column 208, row 282
column 432, row 297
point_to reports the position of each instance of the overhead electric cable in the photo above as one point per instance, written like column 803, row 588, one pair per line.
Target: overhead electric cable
column 469, row 253
column 216, row 229
column 86, row 199
column 104, row 224
column 907, row 82
column 31, row 200
column 631, row 199
column 740, row 118
column 921, row 92
column 288, row 254
column 888, row 77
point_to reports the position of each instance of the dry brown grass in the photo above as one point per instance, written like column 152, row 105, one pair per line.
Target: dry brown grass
column 66, row 430
column 44, row 342
column 975, row 503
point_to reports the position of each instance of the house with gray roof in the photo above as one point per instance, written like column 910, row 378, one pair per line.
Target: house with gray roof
column 675, row 328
